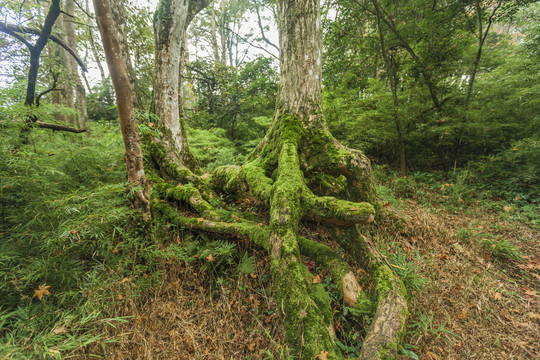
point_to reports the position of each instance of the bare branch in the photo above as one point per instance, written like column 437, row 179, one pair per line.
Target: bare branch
column 26, row 30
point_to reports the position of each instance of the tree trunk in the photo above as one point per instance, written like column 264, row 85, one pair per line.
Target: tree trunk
column 80, row 94
column 35, row 51
column 213, row 34
column 293, row 171
column 388, row 62
column 119, row 18
column 126, row 110
column 170, row 25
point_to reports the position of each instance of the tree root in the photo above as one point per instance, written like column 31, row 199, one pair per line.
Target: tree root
column 305, row 306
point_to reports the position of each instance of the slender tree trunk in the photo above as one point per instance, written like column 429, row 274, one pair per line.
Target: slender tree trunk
column 223, row 32
column 118, row 12
column 80, row 93
column 213, row 34
column 393, row 88
column 126, row 110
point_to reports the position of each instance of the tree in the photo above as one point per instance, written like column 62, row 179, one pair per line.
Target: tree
column 294, row 171
column 170, row 24
column 126, row 111
column 44, row 35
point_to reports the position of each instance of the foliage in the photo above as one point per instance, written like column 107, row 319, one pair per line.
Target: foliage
column 234, row 99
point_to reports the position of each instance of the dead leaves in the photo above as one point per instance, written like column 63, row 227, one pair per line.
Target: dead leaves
column 316, row 279
column 60, row 330
column 323, row 355
column 42, row 291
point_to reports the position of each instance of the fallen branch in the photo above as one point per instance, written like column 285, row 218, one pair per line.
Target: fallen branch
column 57, row 127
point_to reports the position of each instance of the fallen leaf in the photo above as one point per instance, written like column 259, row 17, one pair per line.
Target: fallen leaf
column 322, row 356
column 210, row 258
column 50, row 153
column 60, row 330
column 74, row 232
column 477, row 271
column 119, row 297
column 497, row 296
column 354, row 209
column 124, row 280
column 253, row 275
column 463, row 314
column 251, row 347
column 42, row 291
column 316, row 279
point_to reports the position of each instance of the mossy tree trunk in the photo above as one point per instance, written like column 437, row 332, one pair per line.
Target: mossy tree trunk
column 171, row 20
column 303, row 174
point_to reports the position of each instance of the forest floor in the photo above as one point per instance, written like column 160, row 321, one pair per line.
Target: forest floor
column 473, row 276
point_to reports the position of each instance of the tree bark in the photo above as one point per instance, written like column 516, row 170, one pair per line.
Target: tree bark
column 79, row 102
column 126, row 110
column 119, row 17
column 170, row 25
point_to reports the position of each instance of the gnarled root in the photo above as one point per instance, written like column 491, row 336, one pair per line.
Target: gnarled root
column 305, row 306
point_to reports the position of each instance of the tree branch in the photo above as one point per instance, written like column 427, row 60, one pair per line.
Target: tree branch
column 4, row 29
column 26, row 30
column 58, row 127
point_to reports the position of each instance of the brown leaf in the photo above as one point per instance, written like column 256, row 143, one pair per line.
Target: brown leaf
column 251, row 347
column 210, row 258
column 119, row 297
column 60, row 330
column 316, row 279
column 463, row 314
column 497, row 296
column 354, row 209
column 477, row 271
column 322, row 356
column 124, row 280
column 74, row 232
column 42, row 291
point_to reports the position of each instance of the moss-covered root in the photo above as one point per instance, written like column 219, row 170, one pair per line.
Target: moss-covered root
column 340, row 271
column 388, row 327
column 386, row 331
column 169, row 164
column 259, row 235
column 185, row 194
column 250, row 177
column 338, row 212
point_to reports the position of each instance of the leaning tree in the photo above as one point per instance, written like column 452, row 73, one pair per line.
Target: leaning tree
column 303, row 174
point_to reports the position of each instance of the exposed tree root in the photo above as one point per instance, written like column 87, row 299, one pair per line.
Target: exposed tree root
column 304, row 306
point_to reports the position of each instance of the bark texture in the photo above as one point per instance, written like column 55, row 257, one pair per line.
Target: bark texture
column 170, row 25
column 126, row 110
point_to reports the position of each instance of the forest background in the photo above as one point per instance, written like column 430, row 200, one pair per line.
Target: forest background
column 443, row 97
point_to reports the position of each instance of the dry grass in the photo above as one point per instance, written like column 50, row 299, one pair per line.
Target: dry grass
column 191, row 317
column 474, row 306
